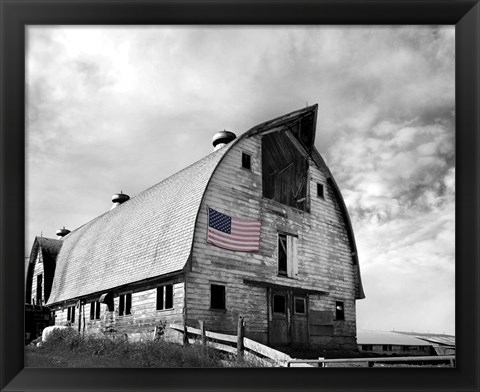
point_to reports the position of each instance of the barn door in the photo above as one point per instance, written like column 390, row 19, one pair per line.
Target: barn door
column 288, row 318
column 278, row 329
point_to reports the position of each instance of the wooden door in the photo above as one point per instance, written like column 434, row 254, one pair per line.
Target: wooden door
column 299, row 319
column 288, row 318
column 279, row 315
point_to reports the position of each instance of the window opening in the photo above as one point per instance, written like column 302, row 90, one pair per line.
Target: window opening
column 169, row 296
column 125, row 304
column 339, row 311
column 217, row 296
column 39, row 289
column 320, row 191
column 71, row 314
column 299, row 305
column 165, row 297
column 279, row 305
column 282, row 254
column 287, row 255
column 246, row 161
column 95, row 310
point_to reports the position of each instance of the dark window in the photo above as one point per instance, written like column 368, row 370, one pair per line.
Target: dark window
column 282, row 254
column 217, row 296
column 339, row 311
column 39, row 289
column 95, row 310
column 128, row 305
column 279, row 303
column 165, row 297
column 246, row 161
column 299, row 305
column 320, row 191
column 405, row 348
column 387, row 347
column 125, row 304
column 71, row 314
column 168, row 296
column 367, row 347
column 160, row 298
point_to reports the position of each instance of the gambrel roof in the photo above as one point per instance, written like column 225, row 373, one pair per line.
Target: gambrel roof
column 152, row 233
column 149, row 235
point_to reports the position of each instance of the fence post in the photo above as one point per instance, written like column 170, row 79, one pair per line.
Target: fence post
column 240, row 335
column 185, row 336
column 202, row 332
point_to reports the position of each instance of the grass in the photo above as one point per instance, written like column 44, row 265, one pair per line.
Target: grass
column 67, row 348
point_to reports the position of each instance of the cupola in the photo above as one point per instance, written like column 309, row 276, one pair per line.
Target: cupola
column 222, row 138
column 62, row 233
column 119, row 198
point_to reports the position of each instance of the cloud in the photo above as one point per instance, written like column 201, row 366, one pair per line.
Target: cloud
column 121, row 108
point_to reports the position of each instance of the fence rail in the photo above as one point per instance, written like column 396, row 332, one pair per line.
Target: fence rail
column 229, row 343
column 241, row 346
column 371, row 361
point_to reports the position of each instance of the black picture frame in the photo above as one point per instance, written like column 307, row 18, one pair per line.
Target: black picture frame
column 15, row 15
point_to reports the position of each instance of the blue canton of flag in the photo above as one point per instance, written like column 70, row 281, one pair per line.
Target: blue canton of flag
column 219, row 221
column 233, row 233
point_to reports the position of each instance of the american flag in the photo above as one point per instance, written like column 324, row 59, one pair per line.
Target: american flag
column 232, row 233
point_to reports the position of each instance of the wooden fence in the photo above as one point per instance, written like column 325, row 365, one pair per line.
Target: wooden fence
column 233, row 344
column 371, row 361
column 245, row 347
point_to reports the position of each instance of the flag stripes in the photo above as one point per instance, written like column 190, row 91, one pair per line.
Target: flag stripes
column 233, row 233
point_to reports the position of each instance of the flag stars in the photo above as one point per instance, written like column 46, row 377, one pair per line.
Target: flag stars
column 219, row 221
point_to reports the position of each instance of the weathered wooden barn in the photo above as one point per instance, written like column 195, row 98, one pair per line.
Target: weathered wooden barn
column 257, row 228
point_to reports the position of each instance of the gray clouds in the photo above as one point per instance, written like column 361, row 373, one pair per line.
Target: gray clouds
column 112, row 108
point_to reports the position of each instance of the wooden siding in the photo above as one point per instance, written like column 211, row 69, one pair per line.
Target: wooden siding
column 324, row 253
column 38, row 269
column 143, row 318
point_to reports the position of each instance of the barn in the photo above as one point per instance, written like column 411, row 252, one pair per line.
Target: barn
column 257, row 228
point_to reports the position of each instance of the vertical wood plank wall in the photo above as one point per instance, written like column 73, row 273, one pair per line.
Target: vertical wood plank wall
column 324, row 254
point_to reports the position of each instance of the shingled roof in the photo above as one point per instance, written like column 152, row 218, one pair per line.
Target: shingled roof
column 149, row 235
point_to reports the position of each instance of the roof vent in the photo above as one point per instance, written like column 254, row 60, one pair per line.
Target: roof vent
column 62, row 233
column 119, row 198
column 222, row 138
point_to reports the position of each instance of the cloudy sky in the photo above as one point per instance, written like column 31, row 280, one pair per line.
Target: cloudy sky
column 112, row 109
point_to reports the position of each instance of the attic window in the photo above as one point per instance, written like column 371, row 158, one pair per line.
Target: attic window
column 320, row 191
column 246, row 161
column 125, row 304
column 217, row 296
column 95, row 310
column 339, row 311
column 165, row 297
